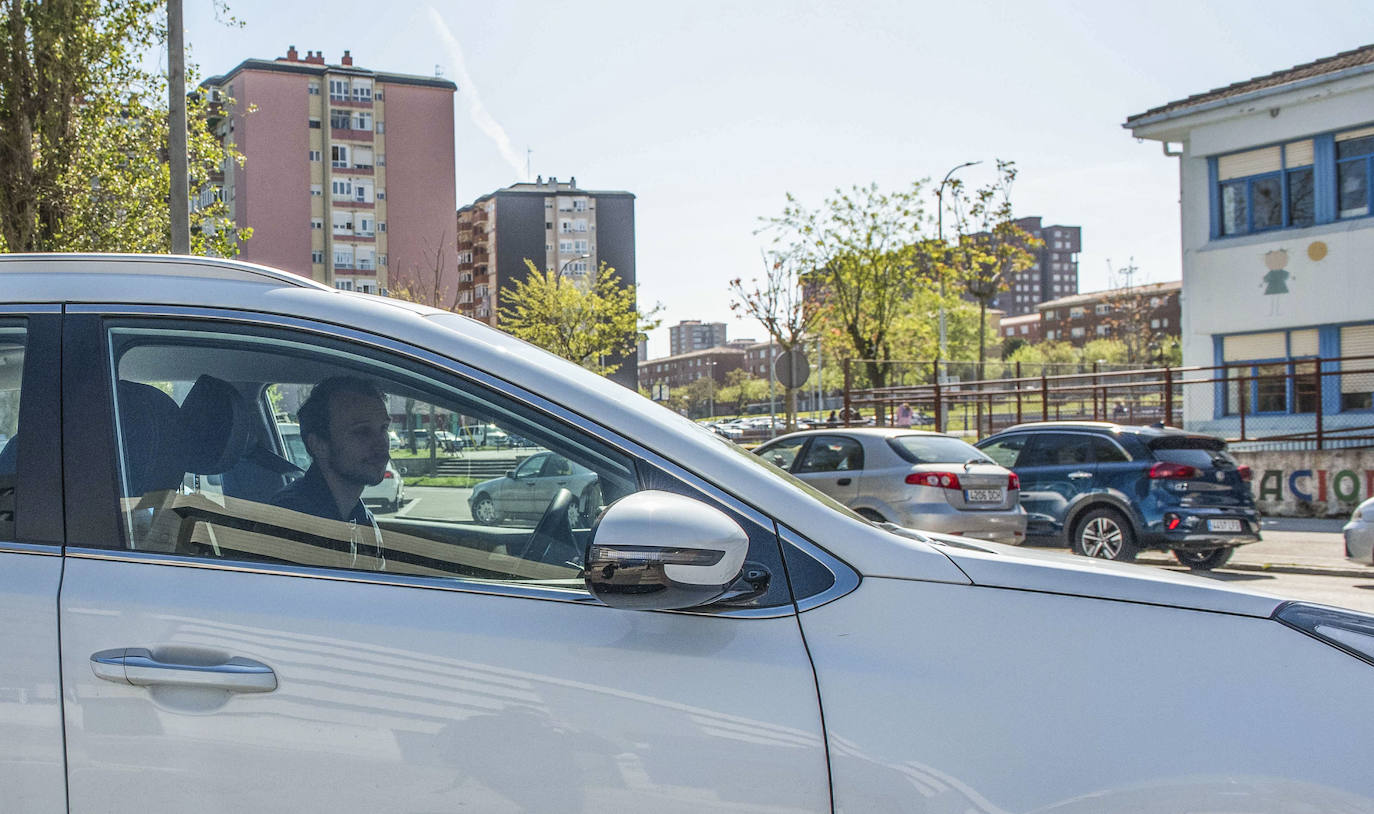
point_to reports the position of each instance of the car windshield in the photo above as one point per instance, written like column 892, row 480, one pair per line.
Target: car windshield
column 935, row 449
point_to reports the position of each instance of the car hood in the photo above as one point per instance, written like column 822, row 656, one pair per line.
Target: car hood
column 994, row 565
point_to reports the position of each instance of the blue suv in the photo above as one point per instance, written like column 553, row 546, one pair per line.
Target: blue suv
column 1110, row 491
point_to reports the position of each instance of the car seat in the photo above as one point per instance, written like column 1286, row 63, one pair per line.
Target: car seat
column 221, row 435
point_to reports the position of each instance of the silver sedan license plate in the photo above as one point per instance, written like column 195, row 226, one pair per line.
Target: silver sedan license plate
column 1223, row 524
column 983, row 495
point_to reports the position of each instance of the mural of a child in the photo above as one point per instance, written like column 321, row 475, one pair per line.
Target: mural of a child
column 1276, row 281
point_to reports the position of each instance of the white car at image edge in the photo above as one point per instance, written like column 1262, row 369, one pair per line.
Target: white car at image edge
column 721, row 638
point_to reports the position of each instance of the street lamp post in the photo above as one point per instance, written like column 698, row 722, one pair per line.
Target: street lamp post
column 940, row 234
column 559, row 276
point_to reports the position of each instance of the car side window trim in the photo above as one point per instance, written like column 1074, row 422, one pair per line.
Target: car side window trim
column 450, row 366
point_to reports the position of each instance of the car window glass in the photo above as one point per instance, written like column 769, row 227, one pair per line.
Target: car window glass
column 1005, row 450
column 213, row 446
column 1057, row 449
column 1200, row 458
column 782, row 453
column 832, row 453
column 940, row 449
column 1106, row 451
column 11, row 371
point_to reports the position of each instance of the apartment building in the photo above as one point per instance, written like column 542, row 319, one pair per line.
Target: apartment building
column 1052, row 275
column 1025, row 327
column 682, row 369
column 1153, row 309
column 693, row 334
column 554, row 224
column 348, row 172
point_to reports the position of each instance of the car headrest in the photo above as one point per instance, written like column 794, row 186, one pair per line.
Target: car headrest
column 214, row 427
column 146, row 417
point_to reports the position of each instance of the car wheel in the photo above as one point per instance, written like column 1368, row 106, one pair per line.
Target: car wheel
column 871, row 515
column 1105, row 534
column 484, row 511
column 1206, row 559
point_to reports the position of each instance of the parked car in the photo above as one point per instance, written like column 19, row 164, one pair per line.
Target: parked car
column 526, row 491
column 1111, row 490
column 921, row 480
column 1359, row 533
column 389, row 494
column 448, row 442
column 218, row 654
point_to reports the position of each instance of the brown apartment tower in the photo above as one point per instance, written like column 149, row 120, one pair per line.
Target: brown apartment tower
column 348, row 175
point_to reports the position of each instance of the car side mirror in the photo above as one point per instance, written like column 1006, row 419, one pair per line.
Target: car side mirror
column 657, row 550
column 510, row 473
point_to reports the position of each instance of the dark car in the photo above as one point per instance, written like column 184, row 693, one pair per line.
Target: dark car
column 1111, row 491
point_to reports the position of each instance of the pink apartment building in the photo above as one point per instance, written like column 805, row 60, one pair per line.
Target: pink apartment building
column 348, row 175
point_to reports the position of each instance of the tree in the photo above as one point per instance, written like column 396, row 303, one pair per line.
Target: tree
column 83, row 134
column 428, row 284
column 991, row 248
column 777, row 301
column 741, row 388
column 1133, row 307
column 593, row 327
column 699, row 393
column 860, row 257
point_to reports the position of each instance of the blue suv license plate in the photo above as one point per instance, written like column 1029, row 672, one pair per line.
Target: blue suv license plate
column 1223, row 524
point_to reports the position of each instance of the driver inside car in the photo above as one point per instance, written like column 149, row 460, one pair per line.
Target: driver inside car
column 344, row 425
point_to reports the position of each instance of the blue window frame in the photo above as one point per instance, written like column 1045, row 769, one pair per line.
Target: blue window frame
column 1354, row 162
column 1293, row 185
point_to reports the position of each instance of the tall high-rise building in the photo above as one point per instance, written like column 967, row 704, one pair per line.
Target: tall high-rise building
column 556, row 226
column 693, row 334
column 1054, row 273
column 348, row 172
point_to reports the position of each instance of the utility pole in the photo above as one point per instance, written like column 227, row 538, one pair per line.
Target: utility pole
column 179, row 197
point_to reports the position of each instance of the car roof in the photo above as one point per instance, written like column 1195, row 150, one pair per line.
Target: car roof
column 1148, row 432
column 866, row 432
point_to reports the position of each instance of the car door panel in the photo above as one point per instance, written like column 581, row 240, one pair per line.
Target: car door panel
column 394, row 698
column 397, row 692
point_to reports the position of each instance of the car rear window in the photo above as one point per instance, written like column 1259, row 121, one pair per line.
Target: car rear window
column 1200, row 458
column 935, row 449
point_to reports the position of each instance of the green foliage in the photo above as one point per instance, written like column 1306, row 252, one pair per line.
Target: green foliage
column 740, row 388
column 863, row 257
column 83, row 134
column 1110, row 351
column 593, row 327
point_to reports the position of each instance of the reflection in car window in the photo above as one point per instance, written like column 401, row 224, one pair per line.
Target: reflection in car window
column 938, row 449
column 11, row 371
column 1106, row 451
column 1005, row 451
column 830, row 453
column 782, row 453
column 1057, row 449
column 209, row 440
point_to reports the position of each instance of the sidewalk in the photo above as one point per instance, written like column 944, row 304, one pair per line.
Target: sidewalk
column 1291, row 545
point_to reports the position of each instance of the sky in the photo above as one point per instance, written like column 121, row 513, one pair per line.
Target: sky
column 711, row 112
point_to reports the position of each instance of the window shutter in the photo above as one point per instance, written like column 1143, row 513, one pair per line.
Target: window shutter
column 1302, row 343
column 1298, row 154
column 1358, row 340
column 1253, row 346
column 1252, row 162
column 1354, row 134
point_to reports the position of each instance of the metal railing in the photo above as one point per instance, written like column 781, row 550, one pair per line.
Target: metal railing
column 1320, row 403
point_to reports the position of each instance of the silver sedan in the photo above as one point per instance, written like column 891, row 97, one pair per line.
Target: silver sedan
column 1359, row 533
column 922, row 480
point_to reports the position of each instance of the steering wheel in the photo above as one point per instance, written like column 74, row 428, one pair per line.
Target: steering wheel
column 554, row 531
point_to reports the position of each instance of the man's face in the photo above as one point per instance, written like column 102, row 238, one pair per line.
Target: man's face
column 358, row 448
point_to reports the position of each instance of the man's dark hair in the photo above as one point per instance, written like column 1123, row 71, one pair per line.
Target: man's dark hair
column 313, row 414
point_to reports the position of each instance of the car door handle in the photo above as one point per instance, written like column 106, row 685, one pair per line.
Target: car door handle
column 844, row 481
column 138, row 666
column 1080, row 475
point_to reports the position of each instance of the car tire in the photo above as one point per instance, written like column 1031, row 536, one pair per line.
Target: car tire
column 1205, row 560
column 872, row 515
column 1105, row 534
column 484, row 511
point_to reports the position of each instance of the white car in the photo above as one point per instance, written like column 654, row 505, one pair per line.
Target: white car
column 721, row 638
column 1359, row 533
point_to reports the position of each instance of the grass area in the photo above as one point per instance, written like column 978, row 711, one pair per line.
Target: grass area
column 451, row 481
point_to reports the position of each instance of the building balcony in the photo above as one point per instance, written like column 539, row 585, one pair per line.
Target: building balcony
column 351, row 103
column 356, row 169
column 349, row 203
column 349, row 134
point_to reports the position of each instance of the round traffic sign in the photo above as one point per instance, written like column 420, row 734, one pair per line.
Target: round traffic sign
column 791, row 368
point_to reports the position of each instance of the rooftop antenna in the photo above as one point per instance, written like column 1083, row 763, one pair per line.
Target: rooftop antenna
column 438, row 70
column 528, row 153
